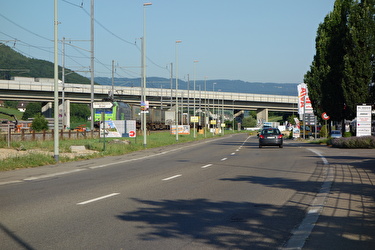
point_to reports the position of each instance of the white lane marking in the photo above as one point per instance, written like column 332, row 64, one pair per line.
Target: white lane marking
column 206, row 166
column 9, row 182
column 52, row 175
column 97, row 199
column 172, row 177
column 232, row 153
column 300, row 235
column 224, row 159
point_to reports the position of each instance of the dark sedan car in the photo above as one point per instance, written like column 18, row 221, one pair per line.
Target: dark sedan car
column 270, row 137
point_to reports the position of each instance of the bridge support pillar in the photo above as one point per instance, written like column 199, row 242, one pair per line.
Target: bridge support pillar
column 262, row 115
column 47, row 110
column 64, row 113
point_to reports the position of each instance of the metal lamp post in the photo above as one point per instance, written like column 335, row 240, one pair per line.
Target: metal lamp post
column 176, row 113
column 144, row 122
column 195, row 62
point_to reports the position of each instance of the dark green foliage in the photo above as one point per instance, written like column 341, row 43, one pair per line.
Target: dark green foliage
column 39, row 123
column 342, row 71
column 249, row 122
column 11, row 104
column 79, row 112
column 32, row 109
column 20, row 65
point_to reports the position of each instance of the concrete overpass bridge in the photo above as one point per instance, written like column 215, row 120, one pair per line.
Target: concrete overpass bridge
column 42, row 89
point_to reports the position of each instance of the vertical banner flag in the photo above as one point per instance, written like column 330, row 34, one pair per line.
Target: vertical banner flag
column 304, row 102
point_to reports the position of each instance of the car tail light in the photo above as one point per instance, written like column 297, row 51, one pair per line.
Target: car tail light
column 261, row 136
column 280, row 136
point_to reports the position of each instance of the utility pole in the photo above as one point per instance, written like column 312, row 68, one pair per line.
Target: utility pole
column 56, row 87
column 63, row 83
column 113, row 80
column 171, row 84
column 92, row 65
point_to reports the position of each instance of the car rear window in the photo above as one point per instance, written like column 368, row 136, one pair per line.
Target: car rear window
column 270, row 131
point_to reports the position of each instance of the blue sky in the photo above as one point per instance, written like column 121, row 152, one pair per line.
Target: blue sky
column 249, row 40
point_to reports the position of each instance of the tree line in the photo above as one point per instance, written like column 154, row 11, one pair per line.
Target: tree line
column 342, row 73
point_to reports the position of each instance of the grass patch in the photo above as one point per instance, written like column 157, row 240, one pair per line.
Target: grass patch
column 155, row 139
column 25, row 161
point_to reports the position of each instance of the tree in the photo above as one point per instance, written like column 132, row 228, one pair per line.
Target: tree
column 11, row 104
column 343, row 67
column 249, row 122
column 32, row 109
column 358, row 68
column 79, row 112
column 39, row 123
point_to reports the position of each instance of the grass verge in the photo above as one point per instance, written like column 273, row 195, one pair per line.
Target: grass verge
column 155, row 139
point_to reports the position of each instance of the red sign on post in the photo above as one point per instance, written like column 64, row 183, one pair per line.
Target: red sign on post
column 132, row 133
column 325, row 116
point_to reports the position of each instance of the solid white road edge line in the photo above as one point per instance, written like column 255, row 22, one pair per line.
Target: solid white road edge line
column 300, row 235
column 97, row 199
column 172, row 177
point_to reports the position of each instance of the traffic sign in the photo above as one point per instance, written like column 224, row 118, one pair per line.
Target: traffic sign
column 102, row 105
column 325, row 116
column 132, row 133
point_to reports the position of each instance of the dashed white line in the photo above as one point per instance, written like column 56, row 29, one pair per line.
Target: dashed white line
column 172, row 177
column 224, row 159
column 232, row 153
column 97, row 199
column 206, row 166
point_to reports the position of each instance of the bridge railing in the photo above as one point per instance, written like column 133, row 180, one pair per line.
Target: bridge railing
column 137, row 91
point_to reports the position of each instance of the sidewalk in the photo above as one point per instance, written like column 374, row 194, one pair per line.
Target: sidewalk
column 348, row 217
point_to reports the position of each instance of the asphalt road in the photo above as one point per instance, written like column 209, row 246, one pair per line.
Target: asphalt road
column 224, row 193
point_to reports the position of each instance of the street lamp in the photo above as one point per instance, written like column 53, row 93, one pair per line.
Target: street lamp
column 213, row 103
column 176, row 115
column 143, row 99
column 195, row 62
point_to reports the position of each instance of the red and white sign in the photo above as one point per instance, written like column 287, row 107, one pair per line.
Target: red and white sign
column 325, row 116
column 304, row 102
column 132, row 133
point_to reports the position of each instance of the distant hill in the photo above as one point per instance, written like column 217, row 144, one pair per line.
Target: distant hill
column 15, row 64
column 236, row 86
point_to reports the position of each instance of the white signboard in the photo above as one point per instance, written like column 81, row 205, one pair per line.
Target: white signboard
column 102, row 105
column 363, row 120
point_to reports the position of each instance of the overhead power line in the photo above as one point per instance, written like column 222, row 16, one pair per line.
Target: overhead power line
column 35, row 34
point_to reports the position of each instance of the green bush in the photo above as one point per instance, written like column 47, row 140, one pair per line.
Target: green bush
column 354, row 142
column 39, row 123
column 347, row 134
column 323, row 131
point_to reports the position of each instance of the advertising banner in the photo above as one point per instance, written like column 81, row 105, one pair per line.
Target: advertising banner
column 182, row 129
column 304, row 102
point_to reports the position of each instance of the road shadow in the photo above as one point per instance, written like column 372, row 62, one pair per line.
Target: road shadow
column 218, row 225
column 247, row 225
column 18, row 240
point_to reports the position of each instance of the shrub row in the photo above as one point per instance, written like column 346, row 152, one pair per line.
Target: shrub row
column 354, row 142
